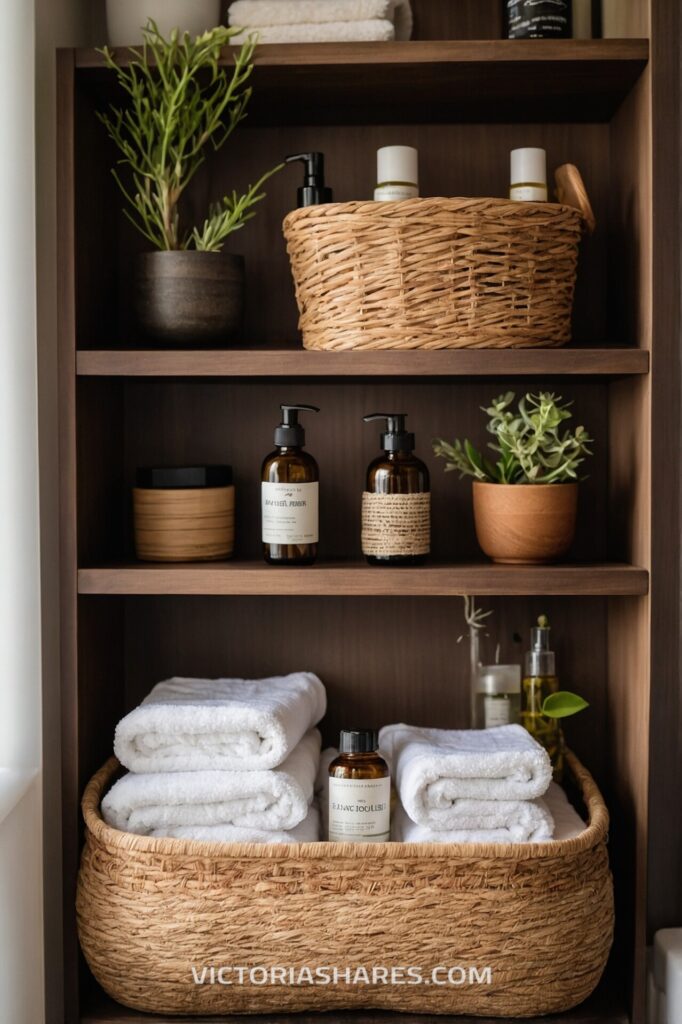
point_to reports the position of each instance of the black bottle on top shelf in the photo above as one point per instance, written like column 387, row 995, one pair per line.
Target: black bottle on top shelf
column 538, row 19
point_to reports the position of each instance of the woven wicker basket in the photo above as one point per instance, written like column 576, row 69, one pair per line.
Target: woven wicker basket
column 540, row 916
column 434, row 273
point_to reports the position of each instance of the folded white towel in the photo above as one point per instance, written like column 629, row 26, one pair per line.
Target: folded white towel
column 268, row 13
column 307, row 832
column 187, row 725
column 375, row 31
column 529, row 821
column 434, row 768
column 276, row 799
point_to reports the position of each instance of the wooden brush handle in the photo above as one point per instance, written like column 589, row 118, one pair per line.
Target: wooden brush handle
column 571, row 191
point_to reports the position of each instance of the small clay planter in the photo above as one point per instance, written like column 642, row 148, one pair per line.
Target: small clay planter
column 526, row 524
column 185, row 297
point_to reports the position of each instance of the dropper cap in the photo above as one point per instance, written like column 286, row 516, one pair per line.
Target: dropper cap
column 540, row 659
column 290, row 433
column 395, row 438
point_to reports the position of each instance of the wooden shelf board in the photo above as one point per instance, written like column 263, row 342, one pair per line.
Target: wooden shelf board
column 351, row 579
column 297, row 362
column 431, row 81
column 602, row 1008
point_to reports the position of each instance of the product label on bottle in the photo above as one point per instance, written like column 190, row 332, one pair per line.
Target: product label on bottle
column 538, row 19
column 290, row 513
column 394, row 192
column 528, row 193
column 396, row 524
column 359, row 810
column 496, row 711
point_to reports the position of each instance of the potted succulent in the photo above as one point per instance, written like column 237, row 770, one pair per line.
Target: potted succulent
column 124, row 18
column 181, row 102
column 525, row 500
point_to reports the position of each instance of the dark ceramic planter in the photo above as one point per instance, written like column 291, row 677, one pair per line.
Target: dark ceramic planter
column 187, row 296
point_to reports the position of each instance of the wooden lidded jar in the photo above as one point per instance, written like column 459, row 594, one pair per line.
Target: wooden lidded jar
column 184, row 514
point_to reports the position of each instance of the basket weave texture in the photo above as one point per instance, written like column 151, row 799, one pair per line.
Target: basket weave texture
column 434, row 273
column 540, row 916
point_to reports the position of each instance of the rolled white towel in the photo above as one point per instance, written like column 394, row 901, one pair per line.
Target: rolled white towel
column 434, row 768
column 529, row 821
column 375, row 31
column 268, row 13
column 277, row 799
column 307, row 832
column 187, row 725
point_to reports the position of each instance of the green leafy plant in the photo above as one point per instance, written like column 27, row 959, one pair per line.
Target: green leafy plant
column 562, row 704
column 180, row 100
column 530, row 444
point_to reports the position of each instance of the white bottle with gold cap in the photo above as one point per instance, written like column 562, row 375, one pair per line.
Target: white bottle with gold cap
column 397, row 173
column 528, row 175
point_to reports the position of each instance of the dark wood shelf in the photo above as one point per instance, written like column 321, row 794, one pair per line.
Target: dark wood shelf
column 601, row 1008
column 433, row 81
column 289, row 361
column 359, row 580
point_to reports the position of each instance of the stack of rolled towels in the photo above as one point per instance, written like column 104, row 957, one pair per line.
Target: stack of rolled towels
column 227, row 760
column 322, row 21
column 474, row 786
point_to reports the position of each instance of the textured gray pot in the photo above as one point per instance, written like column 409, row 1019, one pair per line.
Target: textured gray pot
column 187, row 296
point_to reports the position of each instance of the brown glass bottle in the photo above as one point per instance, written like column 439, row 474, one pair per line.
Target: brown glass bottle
column 398, row 471
column 289, row 495
column 359, row 790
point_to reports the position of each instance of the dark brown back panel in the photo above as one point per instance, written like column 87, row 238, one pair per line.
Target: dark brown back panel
column 381, row 659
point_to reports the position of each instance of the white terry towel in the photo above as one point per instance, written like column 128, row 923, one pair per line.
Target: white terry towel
column 434, row 768
column 530, row 821
column 277, row 799
column 187, row 725
column 307, row 832
column 269, row 13
column 374, row 31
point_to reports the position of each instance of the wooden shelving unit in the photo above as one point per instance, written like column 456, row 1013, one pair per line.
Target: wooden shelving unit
column 125, row 625
column 360, row 580
column 289, row 361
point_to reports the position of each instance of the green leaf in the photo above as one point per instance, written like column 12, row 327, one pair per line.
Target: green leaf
column 562, row 704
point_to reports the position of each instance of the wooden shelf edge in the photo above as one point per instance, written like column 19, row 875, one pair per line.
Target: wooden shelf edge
column 426, row 52
column 280, row 361
column 359, row 580
column 604, row 1007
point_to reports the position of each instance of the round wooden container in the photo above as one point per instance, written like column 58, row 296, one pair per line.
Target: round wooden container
column 184, row 514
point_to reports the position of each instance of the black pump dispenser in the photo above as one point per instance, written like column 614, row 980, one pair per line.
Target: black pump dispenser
column 395, row 438
column 313, row 192
column 290, row 433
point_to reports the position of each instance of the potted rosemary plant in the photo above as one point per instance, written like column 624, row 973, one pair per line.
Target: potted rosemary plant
column 525, row 499
column 181, row 102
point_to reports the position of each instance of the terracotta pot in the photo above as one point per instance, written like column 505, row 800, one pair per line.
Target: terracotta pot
column 186, row 296
column 528, row 524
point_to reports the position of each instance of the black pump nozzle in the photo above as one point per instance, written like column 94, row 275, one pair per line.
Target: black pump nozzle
column 290, row 433
column 313, row 192
column 395, row 438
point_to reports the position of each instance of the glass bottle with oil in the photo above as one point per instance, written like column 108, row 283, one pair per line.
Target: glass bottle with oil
column 540, row 680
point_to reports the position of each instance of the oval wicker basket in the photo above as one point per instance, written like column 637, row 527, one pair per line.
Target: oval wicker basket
column 540, row 916
column 434, row 273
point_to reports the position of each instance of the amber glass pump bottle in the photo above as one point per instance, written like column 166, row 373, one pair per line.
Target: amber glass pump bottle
column 289, row 495
column 396, row 509
column 540, row 681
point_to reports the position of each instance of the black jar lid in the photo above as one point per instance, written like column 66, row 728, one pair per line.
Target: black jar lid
column 358, row 741
column 183, row 477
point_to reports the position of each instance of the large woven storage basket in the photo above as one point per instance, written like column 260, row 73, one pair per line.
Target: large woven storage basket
column 434, row 273
column 539, row 916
